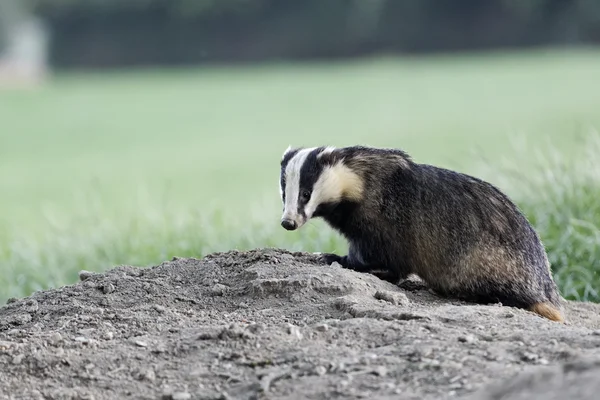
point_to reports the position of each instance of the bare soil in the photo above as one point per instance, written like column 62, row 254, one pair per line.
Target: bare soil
column 274, row 324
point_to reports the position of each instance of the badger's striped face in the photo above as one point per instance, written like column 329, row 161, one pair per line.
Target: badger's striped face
column 311, row 177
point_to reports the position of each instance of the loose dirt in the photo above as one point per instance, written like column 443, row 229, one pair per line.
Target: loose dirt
column 274, row 324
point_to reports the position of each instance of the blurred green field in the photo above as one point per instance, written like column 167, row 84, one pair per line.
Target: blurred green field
column 135, row 167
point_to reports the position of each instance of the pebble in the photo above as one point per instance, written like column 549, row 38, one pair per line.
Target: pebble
column 390, row 297
column 4, row 346
column 83, row 275
column 18, row 359
column 467, row 339
column 108, row 288
column 149, row 375
column 181, row 396
column 159, row 308
column 218, row 289
column 294, row 331
column 108, row 335
column 322, row 327
column 529, row 356
column 287, row 257
column 139, row 343
column 321, row 370
column 56, row 338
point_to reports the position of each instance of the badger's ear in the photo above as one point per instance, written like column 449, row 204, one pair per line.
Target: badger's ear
column 288, row 154
column 327, row 156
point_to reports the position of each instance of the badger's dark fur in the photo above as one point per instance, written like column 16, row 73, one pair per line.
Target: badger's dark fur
column 461, row 235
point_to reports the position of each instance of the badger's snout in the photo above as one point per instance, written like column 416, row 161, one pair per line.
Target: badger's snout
column 289, row 224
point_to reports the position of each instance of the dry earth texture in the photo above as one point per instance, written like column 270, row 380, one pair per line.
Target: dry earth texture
column 275, row 324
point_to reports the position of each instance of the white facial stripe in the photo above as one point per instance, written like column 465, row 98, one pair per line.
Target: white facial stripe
column 289, row 148
column 292, row 185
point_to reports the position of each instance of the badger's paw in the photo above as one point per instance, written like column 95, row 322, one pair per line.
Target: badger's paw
column 329, row 258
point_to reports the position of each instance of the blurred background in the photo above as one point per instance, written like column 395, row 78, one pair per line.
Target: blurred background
column 135, row 131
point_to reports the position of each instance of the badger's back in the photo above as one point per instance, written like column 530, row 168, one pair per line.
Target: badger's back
column 457, row 232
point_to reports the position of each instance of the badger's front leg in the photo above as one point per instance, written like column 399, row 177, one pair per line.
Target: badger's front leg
column 355, row 261
column 352, row 263
column 347, row 262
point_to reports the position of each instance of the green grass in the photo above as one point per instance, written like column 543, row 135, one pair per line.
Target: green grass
column 135, row 167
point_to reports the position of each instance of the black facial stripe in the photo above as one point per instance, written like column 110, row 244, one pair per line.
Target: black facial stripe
column 309, row 174
column 282, row 181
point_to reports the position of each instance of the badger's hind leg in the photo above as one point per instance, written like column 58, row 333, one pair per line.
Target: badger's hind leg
column 511, row 295
column 547, row 310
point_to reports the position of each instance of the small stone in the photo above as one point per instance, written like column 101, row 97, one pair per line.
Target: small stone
column 140, row 343
column 108, row 335
column 467, row 339
column 82, row 339
column 83, row 275
column 218, row 289
column 596, row 333
column 159, row 308
column 294, row 331
column 287, row 257
column 321, row 370
column 529, row 357
column 18, row 359
column 390, row 297
column 55, row 338
column 322, row 327
column 5, row 346
column 181, row 396
column 380, row 371
column 108, row 288
column 149, row 375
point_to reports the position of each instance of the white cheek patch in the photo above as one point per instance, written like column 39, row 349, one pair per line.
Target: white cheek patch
column 325, row 190
column 335, row 183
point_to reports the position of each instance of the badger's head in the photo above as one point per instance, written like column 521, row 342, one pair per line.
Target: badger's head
column 313, row 180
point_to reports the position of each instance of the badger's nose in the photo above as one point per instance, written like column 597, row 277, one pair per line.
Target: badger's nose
column 289, row 224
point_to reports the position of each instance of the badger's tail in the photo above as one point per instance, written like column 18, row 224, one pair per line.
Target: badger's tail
column 547, row 310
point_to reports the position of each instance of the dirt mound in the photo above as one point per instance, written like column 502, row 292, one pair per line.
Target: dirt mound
column 275, row 324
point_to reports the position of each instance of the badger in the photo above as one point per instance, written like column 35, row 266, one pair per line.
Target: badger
column 461, row 235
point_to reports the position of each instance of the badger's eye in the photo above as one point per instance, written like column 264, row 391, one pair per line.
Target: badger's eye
column 305, row 194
